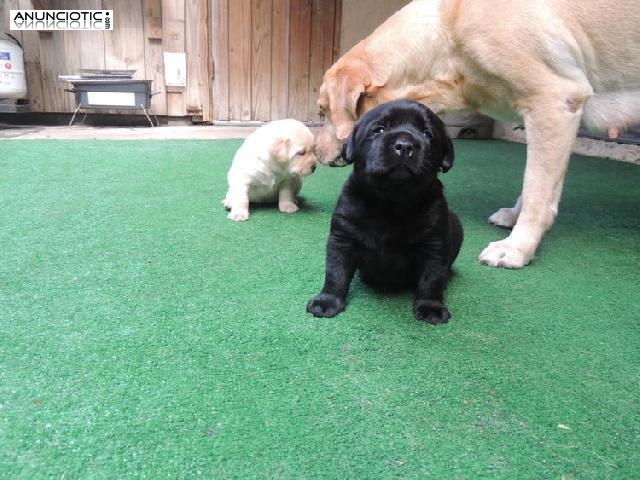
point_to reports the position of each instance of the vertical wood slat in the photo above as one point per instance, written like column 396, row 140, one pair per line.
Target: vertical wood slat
column 220, row 55
column 153, row 59
column 31, row 52
column 337, row 26
column 261, row 54
column 197, row 49
column 299, row 21
column 279, row 59
column 173, row 27
column 50, row 48
column 240, row 59
column 152, row 16
column 329, row 24
column 33, row 70
column 82, row 49
column 124, row 45
column 319, row 9
column 52, row 58
column 53, row 63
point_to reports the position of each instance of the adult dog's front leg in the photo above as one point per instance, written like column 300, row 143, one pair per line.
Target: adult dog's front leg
column 340, row 266
column 551, row 129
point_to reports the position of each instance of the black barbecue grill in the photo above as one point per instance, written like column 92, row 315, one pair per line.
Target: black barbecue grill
column 109, row 90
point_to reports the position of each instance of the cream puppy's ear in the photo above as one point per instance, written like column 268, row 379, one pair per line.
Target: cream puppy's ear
column 280, row 148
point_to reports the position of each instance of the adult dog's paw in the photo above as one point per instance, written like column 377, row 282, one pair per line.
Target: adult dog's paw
column 505, row 217
column 325, row 305
column 431, row 311
column 504, row 254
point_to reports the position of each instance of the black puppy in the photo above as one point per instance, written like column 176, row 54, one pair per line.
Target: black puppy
column 392, row 221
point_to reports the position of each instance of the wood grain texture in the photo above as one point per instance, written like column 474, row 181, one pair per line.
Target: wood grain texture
column 240, row 59
column 316, row 56
column 153, row 58
column 30, row 41
column 173, row 26
column 152, row 14
column 198, row 91
column 261, row 35
column 299, row 51
column 220, row 56
column 124, row 45
column 279, row 59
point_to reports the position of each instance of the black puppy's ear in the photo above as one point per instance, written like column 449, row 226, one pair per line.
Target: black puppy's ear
column 439, row 131
column 447, row 155
column 349, row 148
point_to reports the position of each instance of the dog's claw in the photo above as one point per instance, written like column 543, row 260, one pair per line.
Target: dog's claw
column 503, row 255
column 431, row 311
column 325, row 305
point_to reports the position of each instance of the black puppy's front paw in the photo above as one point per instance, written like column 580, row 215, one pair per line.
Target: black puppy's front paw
column 325, row 305
column 431, row 311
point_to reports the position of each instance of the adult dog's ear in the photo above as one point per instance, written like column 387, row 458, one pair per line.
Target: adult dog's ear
column 343, row 113
column 352, row 81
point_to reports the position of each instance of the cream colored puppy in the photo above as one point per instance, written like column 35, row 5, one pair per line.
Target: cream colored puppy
column 269, row 167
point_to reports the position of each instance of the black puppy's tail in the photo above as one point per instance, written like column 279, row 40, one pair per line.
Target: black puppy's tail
column 456, row 234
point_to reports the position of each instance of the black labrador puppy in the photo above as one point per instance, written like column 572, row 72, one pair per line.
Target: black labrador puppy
column 392, row 222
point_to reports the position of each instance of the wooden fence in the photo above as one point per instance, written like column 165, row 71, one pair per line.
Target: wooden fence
column 245, row 59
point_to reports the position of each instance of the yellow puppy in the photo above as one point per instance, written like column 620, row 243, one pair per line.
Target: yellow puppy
column 269, row 167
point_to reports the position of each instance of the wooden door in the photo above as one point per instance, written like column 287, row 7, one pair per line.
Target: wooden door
column 269, row 57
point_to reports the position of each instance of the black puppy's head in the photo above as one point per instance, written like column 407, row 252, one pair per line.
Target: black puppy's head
column 399, row 143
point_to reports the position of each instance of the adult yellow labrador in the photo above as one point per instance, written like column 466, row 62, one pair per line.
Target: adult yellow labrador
column 552, row 63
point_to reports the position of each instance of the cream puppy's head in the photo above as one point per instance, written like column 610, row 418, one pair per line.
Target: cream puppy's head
column 292, row 146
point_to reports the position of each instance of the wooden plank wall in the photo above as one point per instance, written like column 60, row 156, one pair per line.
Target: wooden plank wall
column 269, row 56
column 143, row 30
column 246, row 59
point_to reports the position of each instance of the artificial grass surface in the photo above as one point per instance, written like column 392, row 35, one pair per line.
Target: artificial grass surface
column 143, row 335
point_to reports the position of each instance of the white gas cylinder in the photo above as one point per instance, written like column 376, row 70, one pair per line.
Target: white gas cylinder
column 13, row 83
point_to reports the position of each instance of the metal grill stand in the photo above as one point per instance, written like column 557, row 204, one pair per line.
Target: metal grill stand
column 106, row 90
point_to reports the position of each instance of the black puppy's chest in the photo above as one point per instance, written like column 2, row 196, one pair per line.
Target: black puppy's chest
column 393, row 247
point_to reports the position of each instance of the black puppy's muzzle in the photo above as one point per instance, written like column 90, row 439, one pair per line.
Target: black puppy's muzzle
column 404, row 147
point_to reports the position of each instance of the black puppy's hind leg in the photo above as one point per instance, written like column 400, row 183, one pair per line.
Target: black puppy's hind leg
column 340, row 268
column 428, row 305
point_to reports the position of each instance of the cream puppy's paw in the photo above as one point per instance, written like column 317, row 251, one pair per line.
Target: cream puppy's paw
column 287, row 207
column 226, row 204
column 504, row 254
column 238, row 215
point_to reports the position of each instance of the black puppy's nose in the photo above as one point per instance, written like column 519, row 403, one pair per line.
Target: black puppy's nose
column 403, row 147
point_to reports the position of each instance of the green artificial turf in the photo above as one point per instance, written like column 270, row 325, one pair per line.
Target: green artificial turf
column 143, row 335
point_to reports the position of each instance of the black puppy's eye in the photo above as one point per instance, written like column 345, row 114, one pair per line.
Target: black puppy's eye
column 379, row 129
column 426, row 133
